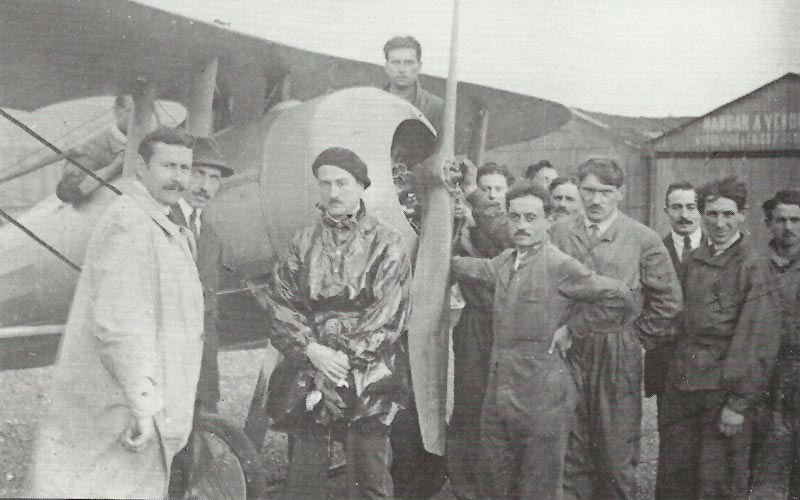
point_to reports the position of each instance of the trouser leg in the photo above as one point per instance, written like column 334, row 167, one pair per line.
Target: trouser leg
column 541, row 473
column 615, row 410
column 724, row 459
column 603, row 449
column 774, row 462
column 471, row 360
column 307, row 478
column 681, row 440
column 579, row 471
column 369, row 458
column 497, row 454
column 208, row 384
column 417, row 474
column 258, row 421
column 193, row 457
column 794, row 477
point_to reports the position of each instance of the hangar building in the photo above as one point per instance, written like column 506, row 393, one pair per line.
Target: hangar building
column 585, row 135
column 755, row 137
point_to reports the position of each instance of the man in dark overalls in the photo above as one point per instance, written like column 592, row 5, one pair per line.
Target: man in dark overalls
column 776, row 471
column 530, row 397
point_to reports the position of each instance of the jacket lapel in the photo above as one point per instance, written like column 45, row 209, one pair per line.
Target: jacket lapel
column 673, row 255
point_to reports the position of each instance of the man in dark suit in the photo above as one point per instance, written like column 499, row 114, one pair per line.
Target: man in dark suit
column 680, row 205
column 208, row 169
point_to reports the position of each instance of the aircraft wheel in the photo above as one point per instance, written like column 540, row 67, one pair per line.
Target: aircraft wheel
column 225, row 463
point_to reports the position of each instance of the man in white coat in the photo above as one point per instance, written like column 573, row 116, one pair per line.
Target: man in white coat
column 123, row 390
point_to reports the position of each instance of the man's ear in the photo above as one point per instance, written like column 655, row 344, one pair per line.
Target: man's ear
column 622, row 192
column 141, row 165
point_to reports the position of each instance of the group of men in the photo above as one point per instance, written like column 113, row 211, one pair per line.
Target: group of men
column 564, row 294
column 710, row 311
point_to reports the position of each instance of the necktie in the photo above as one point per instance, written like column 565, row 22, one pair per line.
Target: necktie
column 594, row 232
column 193, row 225
column 190, row 240
column 687, row 247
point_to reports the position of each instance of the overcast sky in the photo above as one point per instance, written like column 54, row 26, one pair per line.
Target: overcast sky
column 632, row 57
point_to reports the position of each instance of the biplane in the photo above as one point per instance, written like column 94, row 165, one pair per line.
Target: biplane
column 272, row 108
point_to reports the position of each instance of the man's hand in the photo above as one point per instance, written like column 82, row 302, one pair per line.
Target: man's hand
column 461, row 210
column 469, row 176
column 332, row 363
column 139, row 433
column 730, row 422
column 562, row 340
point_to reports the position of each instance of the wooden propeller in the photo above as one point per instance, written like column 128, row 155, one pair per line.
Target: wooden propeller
column 429, row 322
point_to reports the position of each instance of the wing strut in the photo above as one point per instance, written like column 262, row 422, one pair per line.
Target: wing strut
column 199, row 112
column 38, row 240
column 139, row 124
column 57, row 151
column 143, row 97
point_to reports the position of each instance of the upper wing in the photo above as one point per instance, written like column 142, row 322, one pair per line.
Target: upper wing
column 56, row 50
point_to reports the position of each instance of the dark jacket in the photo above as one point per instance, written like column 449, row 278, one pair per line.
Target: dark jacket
column 211, row 251
column 731, row 327
column 785, row 383
column 345, row 285
column 657, row 360
column 431, row 106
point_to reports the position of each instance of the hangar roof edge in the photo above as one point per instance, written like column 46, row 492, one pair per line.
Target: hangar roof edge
column 680, row 128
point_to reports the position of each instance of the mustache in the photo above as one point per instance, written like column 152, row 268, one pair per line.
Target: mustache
column 522, row 232
column 201, row 193
column 175, row 186
column 684, row 221
column 562, row 210
column 789, row 234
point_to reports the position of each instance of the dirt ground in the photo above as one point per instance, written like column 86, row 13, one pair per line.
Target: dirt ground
column 23, row 393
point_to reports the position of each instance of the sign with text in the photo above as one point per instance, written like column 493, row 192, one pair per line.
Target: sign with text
column 773, row 130
column 766, row 120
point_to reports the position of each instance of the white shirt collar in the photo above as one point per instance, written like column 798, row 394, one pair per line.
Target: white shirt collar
column 695, row 238
column 726, row 245
column 519, row 256
column 187, row 212
column 185, row 208
column 601, row 226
